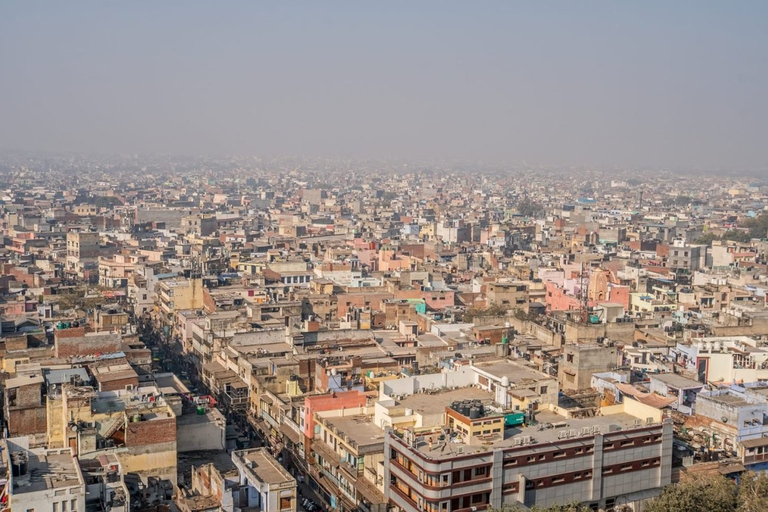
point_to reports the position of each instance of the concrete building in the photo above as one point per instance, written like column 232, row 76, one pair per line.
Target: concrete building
column 42, row 480
column 620, row 458
column 511, row 295
column 683, row 256
column 582, row 360
column 179, row 294
column 347, row 457
column 82, row 251
column 24, row 408
column 676, row 386
column 267, row 484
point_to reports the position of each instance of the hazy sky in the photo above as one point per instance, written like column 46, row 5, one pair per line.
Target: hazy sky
column 638, row 83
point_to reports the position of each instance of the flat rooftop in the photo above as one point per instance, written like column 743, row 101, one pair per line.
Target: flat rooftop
column 727, row 399
column 516, row 373
column 425, row 403
column 263, row 466
column 169, row 384
column 192, row 418
column 49, row 469
column 136, row 402
column 359, row 429
column 603, row 424
column 677, row 381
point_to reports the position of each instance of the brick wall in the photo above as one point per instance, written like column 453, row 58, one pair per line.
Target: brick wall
column 27, row 421
column 30, row 395
column 119, row 384
column 68, row 345
column 156, row 431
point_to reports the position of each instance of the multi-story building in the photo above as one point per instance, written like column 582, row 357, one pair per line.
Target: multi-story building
column 42, row 479
column 511, row 295
column 82, row 254
column 582, row 360
column 348, row 456
column 267, row 484
column 179, row 294
column 620, row 458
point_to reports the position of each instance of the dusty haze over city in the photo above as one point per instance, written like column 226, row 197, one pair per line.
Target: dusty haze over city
column 667, row 84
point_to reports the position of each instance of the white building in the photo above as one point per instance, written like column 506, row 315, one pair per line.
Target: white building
column 43, row 480
column 267, row 484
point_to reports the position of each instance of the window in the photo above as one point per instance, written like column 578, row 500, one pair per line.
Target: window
column 543, row 390
column 569, row 358
column 285, row 503
column 481, row 471
column 73, row 505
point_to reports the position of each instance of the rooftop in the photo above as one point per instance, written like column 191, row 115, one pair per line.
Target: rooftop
column 424, row 403
column 549, row 429
column 516, row 373
column 358, row 429
column 48, row 469
column 262, row 465
column 677, row 381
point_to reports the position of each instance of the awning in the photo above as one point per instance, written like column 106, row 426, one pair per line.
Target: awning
column 650, row 399
column 754, row 443
column 291, row 434
column 260, row 425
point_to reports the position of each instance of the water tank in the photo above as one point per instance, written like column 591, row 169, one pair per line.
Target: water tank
column 415, row 367
column 333, row 371
column 474, row 413
column 19, row 463
column 505, row 382
column 409, row 412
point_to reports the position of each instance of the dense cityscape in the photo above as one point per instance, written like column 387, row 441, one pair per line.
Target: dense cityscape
column 275, row 334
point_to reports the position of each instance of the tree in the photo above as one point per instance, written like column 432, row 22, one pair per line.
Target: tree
column 707, row 238
column 80, row 298
column 529, row 208
column 758, row 226
column 705, row 493
column 753, row 492
column 492, row 310
column 570, row 507
column 736, row 236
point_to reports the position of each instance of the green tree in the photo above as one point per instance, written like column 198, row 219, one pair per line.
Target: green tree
column 753, row 492
column 707, row 238
column 529, row 208
column 706, row 493
column 735, row 235
column 758, row 226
